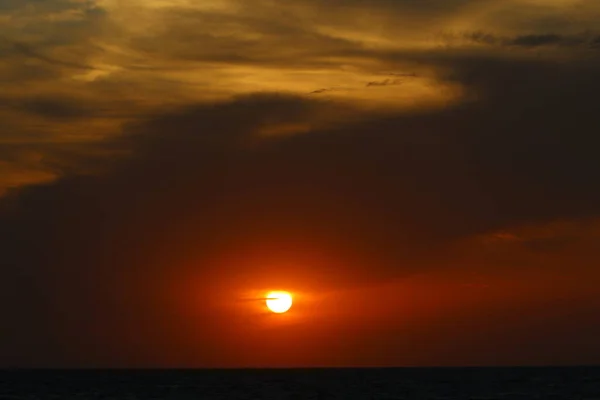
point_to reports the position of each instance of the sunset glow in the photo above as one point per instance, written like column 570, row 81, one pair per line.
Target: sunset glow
column 306, row 183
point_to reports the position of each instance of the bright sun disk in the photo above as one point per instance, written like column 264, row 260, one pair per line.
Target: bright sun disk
column 279, row 302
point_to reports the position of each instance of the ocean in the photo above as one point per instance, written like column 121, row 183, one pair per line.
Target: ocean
column 573, row 383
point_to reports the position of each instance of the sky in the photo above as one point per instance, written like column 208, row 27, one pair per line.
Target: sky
column 422, row 176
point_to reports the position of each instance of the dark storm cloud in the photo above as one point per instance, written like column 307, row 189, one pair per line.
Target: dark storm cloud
column 379, row 195
column 524, row 151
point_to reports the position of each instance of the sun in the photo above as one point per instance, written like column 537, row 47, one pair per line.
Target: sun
column 279, row 302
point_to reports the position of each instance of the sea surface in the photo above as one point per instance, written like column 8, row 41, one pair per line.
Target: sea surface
column 574, row 383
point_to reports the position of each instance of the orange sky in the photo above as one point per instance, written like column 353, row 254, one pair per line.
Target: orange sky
column 422, row 176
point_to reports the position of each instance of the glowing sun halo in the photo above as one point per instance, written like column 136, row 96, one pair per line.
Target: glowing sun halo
column 279, row 302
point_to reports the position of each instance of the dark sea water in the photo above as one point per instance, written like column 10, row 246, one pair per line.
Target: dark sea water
column 402, row 383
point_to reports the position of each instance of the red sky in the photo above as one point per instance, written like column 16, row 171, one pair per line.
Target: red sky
column 422, row 176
